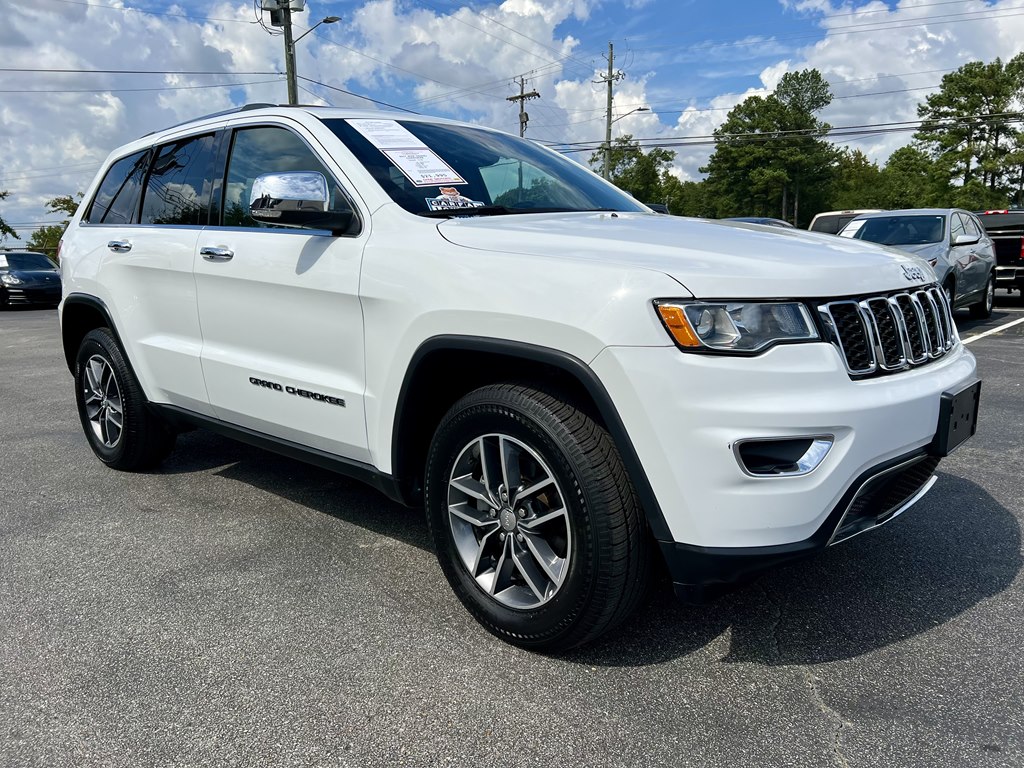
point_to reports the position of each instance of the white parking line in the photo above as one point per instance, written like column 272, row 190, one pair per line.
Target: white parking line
column 969, row 339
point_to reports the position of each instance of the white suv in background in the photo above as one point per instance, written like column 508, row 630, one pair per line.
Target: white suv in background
column 572, row 385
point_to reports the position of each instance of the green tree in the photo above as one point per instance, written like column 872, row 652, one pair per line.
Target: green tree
column 635, row 171
column 46, row 238
column 686, row 198
column 5, row 229
column 770, row 156
column 857, row 182
column 967, row 126
column 910, row 179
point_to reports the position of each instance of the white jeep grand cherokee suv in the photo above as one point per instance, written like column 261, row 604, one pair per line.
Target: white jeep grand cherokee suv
column 570, row 384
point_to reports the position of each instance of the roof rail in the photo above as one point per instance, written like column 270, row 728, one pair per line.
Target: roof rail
column 233, row 110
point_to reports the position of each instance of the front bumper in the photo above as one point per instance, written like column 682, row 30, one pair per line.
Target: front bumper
column 686, row 412
column 878, row 496
column 1009, row 277
column 28, row 295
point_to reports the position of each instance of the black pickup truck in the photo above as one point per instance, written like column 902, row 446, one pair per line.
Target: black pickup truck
column 1006, row 228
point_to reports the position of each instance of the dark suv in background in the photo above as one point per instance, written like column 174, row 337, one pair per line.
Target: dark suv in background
column 28, row 278
column 1006, row 228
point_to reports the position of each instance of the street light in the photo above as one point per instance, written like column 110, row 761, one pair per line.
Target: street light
column 607, row 170
column 638, row 109
column 289, row 50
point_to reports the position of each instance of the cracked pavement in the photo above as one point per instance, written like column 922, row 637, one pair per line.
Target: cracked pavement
column 241, row 609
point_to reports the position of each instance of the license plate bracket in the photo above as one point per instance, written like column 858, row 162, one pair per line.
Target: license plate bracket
column 958, row 419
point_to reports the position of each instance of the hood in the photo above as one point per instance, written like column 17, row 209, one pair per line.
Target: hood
column 711, row 259
column 35, row 275
column 924, row 250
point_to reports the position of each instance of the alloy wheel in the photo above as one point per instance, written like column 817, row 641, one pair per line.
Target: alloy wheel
column 103, row 404
column 509, row 521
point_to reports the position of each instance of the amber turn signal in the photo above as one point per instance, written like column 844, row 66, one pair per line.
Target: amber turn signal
column 677, row 324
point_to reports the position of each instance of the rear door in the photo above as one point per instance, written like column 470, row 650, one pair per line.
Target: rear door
column 143, row 225
column 280, row 312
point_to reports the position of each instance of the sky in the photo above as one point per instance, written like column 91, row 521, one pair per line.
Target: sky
column 687, row 62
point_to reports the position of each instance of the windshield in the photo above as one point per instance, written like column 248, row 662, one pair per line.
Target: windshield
column 433, row 169
column 26, row 261
column 898, row 230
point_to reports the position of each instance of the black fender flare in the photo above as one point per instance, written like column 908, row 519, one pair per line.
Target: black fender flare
column 566, row 363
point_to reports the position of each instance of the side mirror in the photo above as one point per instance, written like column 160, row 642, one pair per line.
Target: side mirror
column 297, row 199
column 965, row 239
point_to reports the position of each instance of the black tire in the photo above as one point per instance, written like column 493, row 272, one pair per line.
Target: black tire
column 607, row 557
column 143, row 440
column 983, row 309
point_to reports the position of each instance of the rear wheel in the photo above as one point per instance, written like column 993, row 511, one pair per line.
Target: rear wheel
column 121, row 430
column 535, row 522
column 983, row 309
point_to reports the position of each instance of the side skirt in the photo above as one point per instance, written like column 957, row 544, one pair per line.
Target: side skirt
column 365, row 473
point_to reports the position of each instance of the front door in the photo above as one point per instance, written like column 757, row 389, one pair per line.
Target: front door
column 279, row 310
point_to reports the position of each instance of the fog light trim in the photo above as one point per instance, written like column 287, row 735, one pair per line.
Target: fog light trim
column 805, row 454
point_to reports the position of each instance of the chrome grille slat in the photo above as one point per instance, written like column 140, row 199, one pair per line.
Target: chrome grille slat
column 884, row 334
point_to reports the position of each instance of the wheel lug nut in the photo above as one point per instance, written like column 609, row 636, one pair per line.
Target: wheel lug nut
column 501, row 535
column 521, row 513
column 519, row 537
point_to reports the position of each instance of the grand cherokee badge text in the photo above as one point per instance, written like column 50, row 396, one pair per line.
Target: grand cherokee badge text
column 296, row 391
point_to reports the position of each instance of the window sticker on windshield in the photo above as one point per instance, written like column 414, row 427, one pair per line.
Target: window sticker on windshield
column 450, row 200
column 423, row 167
column 3, row 260
column 387, row 134
column 851, row 229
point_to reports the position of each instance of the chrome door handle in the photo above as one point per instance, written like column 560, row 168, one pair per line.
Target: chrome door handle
column 119, row 246
column 216, row 254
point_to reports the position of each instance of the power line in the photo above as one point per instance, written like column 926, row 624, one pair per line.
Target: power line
column 149, row 13
column 586, row 65
column 130, row 72
column 878, row 26
column 357, row 95
column 838, row 131
column 140, row 90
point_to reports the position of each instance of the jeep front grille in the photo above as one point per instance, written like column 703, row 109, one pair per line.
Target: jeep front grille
column 884, row 334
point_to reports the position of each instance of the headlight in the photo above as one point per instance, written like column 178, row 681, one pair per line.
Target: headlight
column 7, row 279
column 734, row 326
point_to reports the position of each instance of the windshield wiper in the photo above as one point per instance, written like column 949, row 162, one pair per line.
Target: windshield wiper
column 480, row 210
column 495, row 210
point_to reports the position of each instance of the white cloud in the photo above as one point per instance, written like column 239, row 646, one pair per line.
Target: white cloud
column 458, row 62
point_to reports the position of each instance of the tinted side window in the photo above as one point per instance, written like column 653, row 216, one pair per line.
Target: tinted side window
column 117, row 199
column 179, row 184
column 956, row 227
column 829, row 224
column 256, row 151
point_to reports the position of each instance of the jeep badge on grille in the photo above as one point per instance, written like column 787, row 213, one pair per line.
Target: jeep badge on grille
column 913, row 273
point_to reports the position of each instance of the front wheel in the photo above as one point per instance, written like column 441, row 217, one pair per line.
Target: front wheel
column 536, row 524
column 121, row 430
column 983, row 309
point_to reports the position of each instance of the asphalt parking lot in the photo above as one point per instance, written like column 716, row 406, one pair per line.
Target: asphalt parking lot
column 241, row 609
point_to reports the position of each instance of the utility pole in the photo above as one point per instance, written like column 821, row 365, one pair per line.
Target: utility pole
column 522, row 98
column 612, row 76
column 289, row 54
column 281, row 16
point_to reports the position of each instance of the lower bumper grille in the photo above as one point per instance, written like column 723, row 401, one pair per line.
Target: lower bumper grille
column 884, row 495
